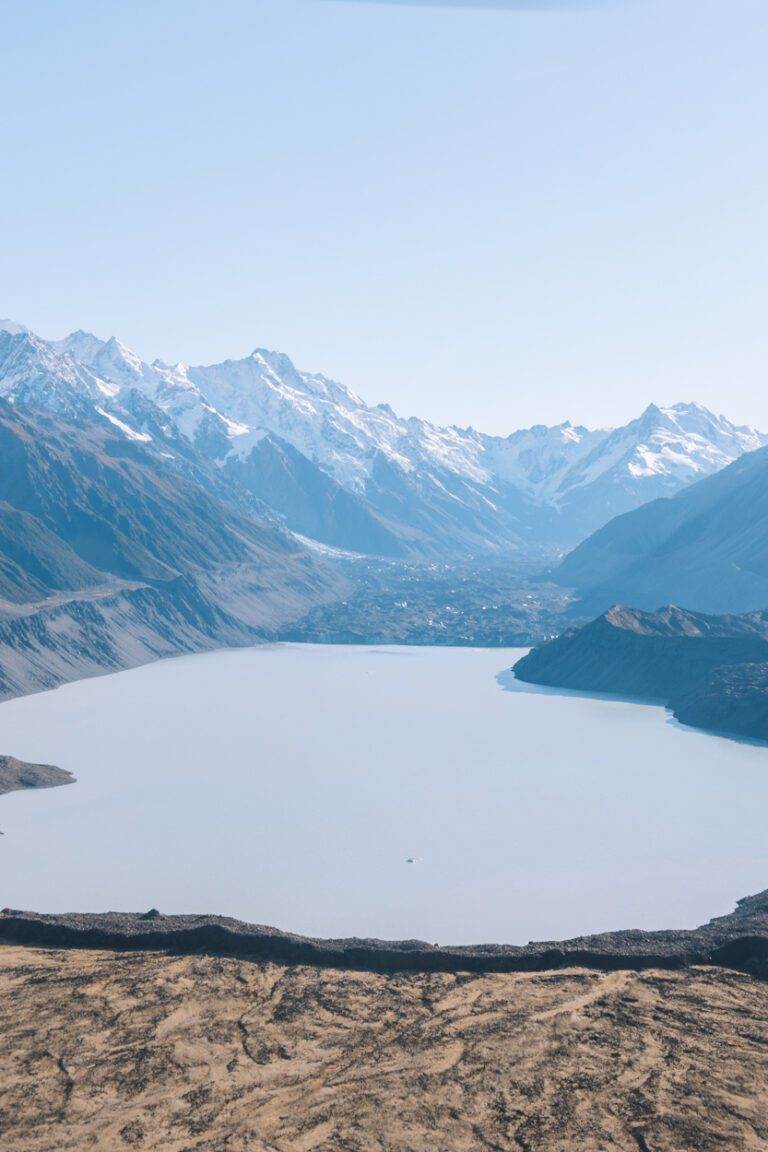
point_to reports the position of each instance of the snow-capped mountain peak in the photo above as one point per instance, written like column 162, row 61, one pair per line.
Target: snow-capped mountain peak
column 539, row 458
column 433, row 486
column 81, row 346
column 671, row 446
column 13, row 329
column 32, row 371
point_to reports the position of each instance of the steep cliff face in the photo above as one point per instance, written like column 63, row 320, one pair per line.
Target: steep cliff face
column 122, row 625
column 108, row 630
column 711, row 670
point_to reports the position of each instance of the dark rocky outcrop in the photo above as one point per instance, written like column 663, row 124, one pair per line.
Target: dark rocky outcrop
column 16, row 775
column 712, row 671
column 738, row 941
column 730, row 700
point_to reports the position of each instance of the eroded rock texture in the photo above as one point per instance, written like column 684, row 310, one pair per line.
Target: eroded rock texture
column 149, row 1051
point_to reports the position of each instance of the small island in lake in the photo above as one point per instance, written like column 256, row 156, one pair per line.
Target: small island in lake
column 17, row 775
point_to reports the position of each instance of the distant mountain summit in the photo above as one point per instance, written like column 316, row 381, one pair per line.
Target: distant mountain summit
column 360, row 477
column 706, row 548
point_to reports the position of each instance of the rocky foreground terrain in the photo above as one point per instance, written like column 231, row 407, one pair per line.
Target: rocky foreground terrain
column 736, row 941
column 201, row 1033
column 147, row 1050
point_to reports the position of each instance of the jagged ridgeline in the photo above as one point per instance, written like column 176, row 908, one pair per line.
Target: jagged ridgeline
column 112, row 555
column 360, row 477
column 149, row 509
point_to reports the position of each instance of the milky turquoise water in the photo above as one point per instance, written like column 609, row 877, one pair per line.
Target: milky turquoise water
column 290, row 785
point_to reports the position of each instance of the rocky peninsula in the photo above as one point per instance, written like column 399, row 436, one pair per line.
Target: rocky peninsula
column 16, row 775
column 712, row 671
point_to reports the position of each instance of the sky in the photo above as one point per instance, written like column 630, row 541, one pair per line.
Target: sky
column 491, row 214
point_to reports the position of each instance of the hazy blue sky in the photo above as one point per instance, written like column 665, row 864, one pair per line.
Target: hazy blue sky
column 483, row 214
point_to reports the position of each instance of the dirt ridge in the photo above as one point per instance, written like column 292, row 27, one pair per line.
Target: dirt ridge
column 738, row 941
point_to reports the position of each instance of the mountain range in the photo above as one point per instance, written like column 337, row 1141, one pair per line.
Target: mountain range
column 113, row 554
column 706, row 548
column 149, row 509
column 358, row 477
column 704, row 554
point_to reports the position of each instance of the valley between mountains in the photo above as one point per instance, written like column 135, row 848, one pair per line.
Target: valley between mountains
column 151, row 510
column 384, row 576
column 154, row 509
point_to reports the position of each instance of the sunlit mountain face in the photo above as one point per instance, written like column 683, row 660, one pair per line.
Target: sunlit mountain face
column 362, row 477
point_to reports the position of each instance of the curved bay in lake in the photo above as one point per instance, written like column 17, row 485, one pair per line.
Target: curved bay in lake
column 290, row 785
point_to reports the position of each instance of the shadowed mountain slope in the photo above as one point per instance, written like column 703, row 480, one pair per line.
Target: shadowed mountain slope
column 711, row 670
column 117, row 504
column 360, row 476
column 705, row 548
column 34, row 561
column 110, row 555
column 311, row 501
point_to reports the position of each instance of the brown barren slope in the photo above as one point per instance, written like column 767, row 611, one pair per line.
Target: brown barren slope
column 116, row 1050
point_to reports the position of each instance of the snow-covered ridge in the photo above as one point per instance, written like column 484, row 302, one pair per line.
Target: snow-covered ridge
column 226, row 410
column 130, row 433
column 332, row 426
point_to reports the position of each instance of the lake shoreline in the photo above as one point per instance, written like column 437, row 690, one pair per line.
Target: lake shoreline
column 508, row 681
column 19, row 775
column 390, row 793
column 710, row 672
column 737, row 941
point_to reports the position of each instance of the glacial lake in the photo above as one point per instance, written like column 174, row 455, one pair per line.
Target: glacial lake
column 289, row 785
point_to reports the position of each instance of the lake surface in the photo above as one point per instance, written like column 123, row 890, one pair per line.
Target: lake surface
column 288, row 785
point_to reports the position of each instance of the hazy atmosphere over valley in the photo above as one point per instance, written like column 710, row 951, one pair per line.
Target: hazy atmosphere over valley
column 384, row 576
